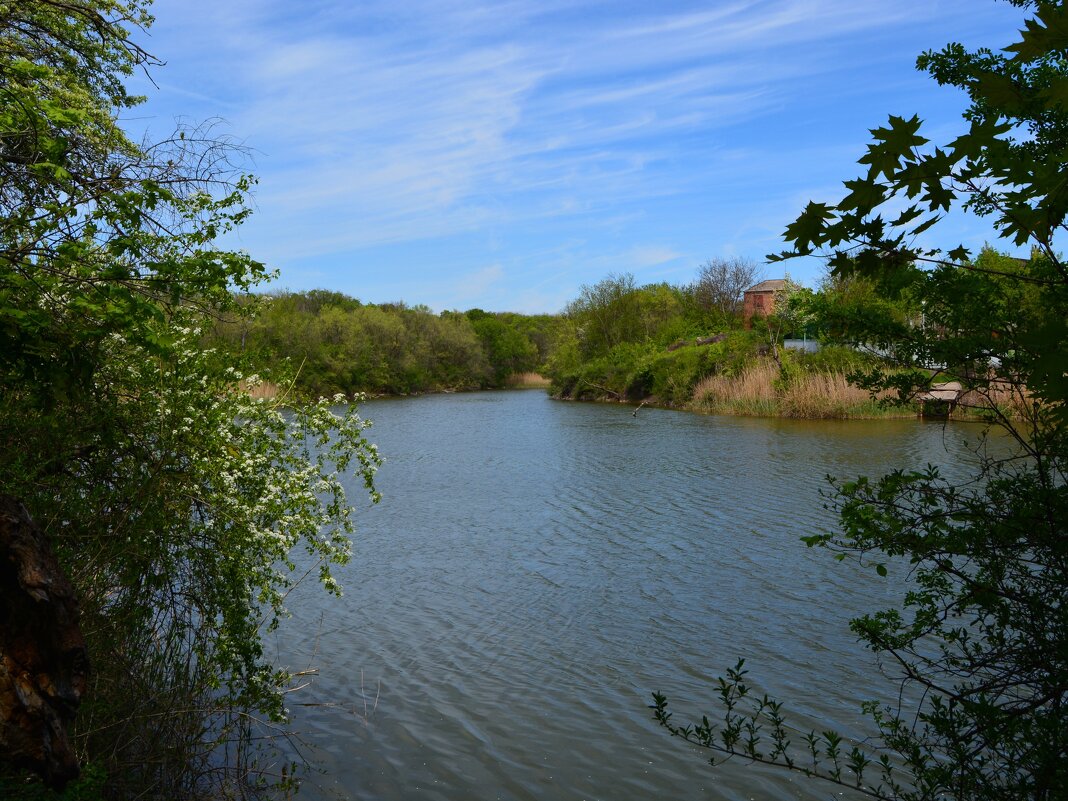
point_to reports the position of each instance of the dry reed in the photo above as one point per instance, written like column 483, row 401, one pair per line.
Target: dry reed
column 527, row 380
column 750, row 393
column 757, row 392
column 826, row 395
column 1012, row 401
column 259, row 389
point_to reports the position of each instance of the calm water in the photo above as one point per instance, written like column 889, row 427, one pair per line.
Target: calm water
column 537, row 568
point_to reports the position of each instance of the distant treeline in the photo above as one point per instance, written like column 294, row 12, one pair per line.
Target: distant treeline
column 332, row 343
column 679, row 345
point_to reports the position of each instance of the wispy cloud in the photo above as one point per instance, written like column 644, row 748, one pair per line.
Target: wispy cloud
column 380, row 124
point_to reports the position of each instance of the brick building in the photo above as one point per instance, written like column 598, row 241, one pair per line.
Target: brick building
column 759, row 299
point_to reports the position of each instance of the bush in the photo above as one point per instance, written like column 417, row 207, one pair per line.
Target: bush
column 636, row 372
column 835, row 359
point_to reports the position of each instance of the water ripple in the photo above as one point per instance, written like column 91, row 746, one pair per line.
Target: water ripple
column 537, row 568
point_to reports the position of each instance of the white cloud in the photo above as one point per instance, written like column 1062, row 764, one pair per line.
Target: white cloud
column 650, row 256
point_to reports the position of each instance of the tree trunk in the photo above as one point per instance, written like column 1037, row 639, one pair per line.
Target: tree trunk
column 44, row 665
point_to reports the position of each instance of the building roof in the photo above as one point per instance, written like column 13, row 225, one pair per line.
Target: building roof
column 771, row 285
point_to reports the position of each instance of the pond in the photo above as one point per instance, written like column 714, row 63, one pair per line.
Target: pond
column 537, row 568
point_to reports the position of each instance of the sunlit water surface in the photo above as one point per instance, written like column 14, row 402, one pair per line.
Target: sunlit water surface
column 537, row 568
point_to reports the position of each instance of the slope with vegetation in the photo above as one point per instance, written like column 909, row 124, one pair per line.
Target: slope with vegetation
column 687, row 346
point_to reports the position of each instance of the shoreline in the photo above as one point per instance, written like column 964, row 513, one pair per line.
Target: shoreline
column 517, row 381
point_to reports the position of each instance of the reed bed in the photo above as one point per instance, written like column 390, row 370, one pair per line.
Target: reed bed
column 259, row 389
column 751, row 392
column 759, row 392
column 1011, row 401
column 830, row 395
column 527, row 381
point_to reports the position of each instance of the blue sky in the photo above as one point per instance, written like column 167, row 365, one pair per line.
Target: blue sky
column 459, row 154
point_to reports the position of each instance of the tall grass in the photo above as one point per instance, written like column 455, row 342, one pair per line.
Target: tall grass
column 751, row 392
column 759, row 391
column 998, row 398
column 259, row 389
column 527, row 380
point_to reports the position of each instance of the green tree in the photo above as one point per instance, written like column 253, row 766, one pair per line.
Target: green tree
column 662, row 309
column 178, row 505
column 845, row 304
column 791, row 315
column 541, row 329
column 606, row 314
column 508, row 349
column 615, row 312
column 982, row 632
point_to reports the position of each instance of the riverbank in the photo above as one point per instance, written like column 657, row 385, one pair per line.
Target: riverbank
column 734, row 373
column 328, row 343
column 526, row 380
column 763, row 388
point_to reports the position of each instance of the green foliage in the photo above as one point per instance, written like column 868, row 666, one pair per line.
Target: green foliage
column 179, row 506
column 981, row 634
column 544, row 331
column 633, row 371
column 621, row 341
column 507, row 348
column 605, row 315
column 178, row 514
column 342, row 345
column 614, row 312
column 757, row 729
column 858, row 311
column 671, row 377
column 610, row 375
column 792, row 315
column 835, row 359
column 789, row 371
column 87, row 787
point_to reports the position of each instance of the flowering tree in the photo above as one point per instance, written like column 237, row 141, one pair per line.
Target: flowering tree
column 173, row 499
column 791, row 313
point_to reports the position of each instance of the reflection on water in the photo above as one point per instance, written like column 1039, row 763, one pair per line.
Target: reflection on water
column 537, row 568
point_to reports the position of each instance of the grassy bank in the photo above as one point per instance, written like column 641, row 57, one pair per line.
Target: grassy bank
column 737, row 376
column 731, row 373
column 650, row 372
